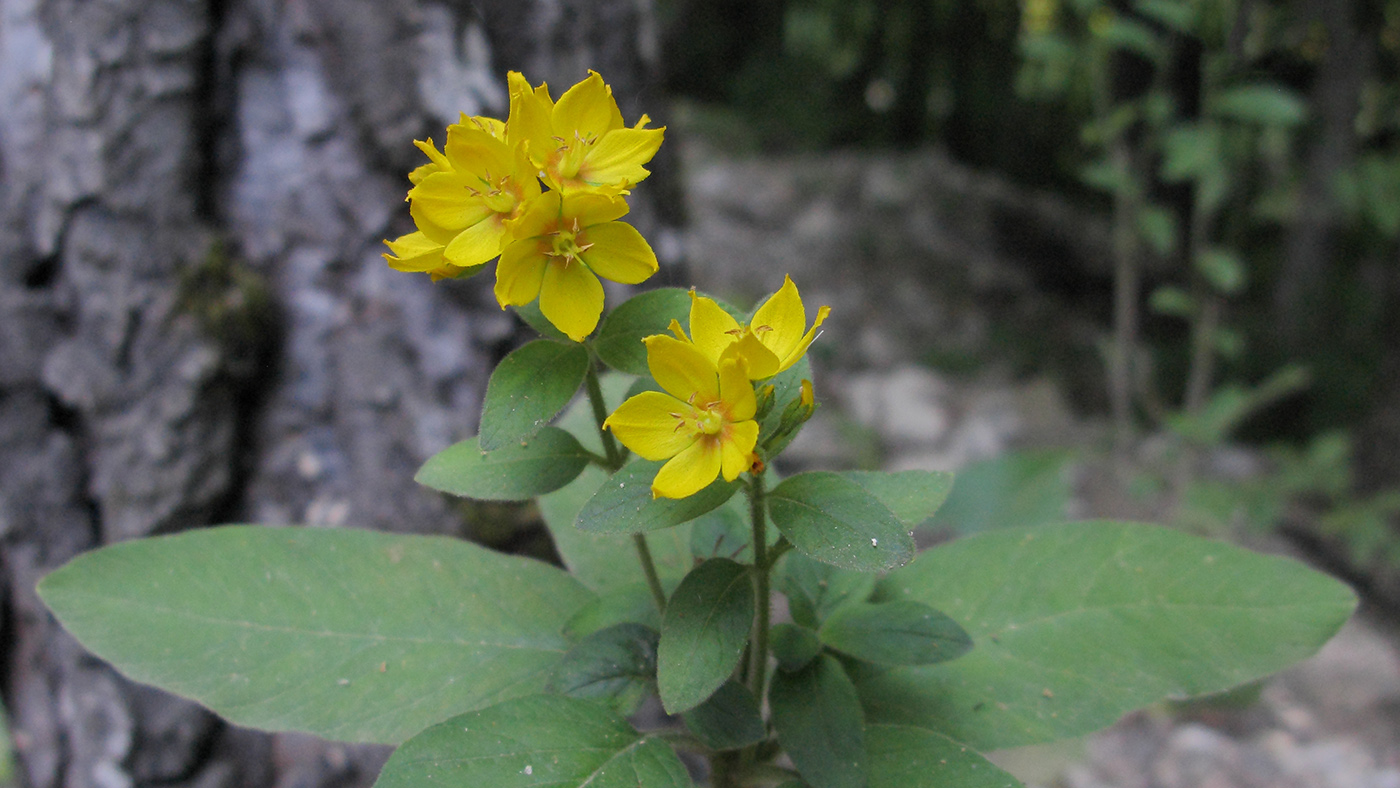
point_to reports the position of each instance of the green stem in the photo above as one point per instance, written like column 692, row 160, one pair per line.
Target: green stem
column 615, row 459
column 758, row 652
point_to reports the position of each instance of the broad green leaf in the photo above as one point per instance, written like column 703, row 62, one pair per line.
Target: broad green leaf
column 1020, row 488
column 535, row 319
column 624, row 504
column 830, row 518
column 913, row 496
column 1190, row 151
column 1076, row 624
column 730, row 719
column 540, row 740
column 895, row 633
column 628, row 604
column 1223, row 269
column 1135, row 37
column 703, row 632
column 818, row 718
column 607, row 561
column 1261, row 104
column 723, row 533
column 899, row 756
column 545, row 463
column 616, row 665
column 794, row 646
column 619, row 342
column 814, row 589
column 529, row 387
column 348, row 634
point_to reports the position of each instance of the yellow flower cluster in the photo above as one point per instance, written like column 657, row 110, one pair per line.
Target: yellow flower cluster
column 703, row 422
column 480, row 198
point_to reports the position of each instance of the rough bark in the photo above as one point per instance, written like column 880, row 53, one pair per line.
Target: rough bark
column 195, row 323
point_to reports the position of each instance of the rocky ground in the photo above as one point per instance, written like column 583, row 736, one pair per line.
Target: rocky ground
column 927, row 264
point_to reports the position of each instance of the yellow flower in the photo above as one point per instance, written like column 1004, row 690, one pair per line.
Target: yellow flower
column 565, row 243
column 703, row 422
column 580, row 142
column 771, row 342
column 417, row 253
column 464, row 196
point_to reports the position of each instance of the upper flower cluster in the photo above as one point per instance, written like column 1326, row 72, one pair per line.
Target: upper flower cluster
column 481, row 197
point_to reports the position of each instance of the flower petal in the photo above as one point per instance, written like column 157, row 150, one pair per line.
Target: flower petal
column 736, row 449
column 763, row 362
column 688, row 472
column 590, row 208
column 520, row 273
column 414, row 252
column 619, row 253
column 682, row 370
column 539, row 215
column 711, row 328
column 446, row 199
column 617, row 159
column 783, row 314
column 646, row 424
column 529, row 118
column 477, row 244
column 471, row 149
column 586, row 108
column 807, row 339
column 735, row 390
column 571, row 297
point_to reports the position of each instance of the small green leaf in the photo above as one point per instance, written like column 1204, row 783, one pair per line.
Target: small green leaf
column 347, row 634
column 703, row 633
column 1076, row 624
column 1190, row 151
column 1223, row 269
column 815, row 589
column 895, row 633
column 616, row 665
column 628, row 604
column 533, row 741
column 730, row 719
column 550, row 460
column 1174, row 301
column 607, row 561
column 529, row 387
column 787, row 387
column 619, row 342
column 913, row 496
column 1179, row 15
column 794, row 646
column 535, row 319
column 833, row 519
column 819, row 722
column 900, row 756
column 1157, row 226
column 1261, row 104
column 624, row 503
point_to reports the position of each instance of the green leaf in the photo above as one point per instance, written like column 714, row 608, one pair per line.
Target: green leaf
column 1190, row 151
column 1157, row 226
column 818, row 718
column 529, row 387
column 628, row 604
column 1076, row 624
column 723, row 533
column 616, row 665
column 833, row 519
column 541, row 740
column 347, row 634
column 1178, row 15
column 624, row 503
column 1015, row 489
column 1174, row 301
column 895, row 633
column 578, row 418
column 1223, row 269
column 535, row 319
column 899, row 756
column 703, row 632
column 913, row 496
column 730, row 719
column 1261, row 104
column 815, row 589
column 547, row 462
column 794, row 646
column 608, row 561
column 619, row 342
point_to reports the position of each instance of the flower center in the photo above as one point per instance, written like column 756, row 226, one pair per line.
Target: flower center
column 709, row 422
column 568, row 244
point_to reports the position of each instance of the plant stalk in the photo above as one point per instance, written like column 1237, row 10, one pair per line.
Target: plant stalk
column 758, row 651
column 615, row 460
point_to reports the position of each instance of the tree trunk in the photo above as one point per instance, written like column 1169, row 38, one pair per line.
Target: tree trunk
column 195, row 322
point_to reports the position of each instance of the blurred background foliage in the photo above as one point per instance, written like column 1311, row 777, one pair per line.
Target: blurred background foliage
column 1247, row 152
